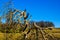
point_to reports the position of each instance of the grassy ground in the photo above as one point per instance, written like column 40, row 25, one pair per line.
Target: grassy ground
column 31, row 36
column 55, row 32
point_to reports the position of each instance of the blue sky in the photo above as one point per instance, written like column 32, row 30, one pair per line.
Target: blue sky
column 46, row 10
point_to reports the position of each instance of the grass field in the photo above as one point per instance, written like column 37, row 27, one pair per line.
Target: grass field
column 31, row 36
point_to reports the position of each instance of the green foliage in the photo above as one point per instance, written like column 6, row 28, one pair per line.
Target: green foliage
column 45, row 24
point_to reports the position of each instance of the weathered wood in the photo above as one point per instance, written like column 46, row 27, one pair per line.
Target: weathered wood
column 44, row 34
column 38, row 27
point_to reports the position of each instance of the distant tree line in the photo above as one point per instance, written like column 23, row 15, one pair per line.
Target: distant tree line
column 44, row 24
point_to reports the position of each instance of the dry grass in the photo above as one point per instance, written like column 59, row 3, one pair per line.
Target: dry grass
column 31, row 35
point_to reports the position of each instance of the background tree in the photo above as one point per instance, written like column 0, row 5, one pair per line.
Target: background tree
column 45, row 24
